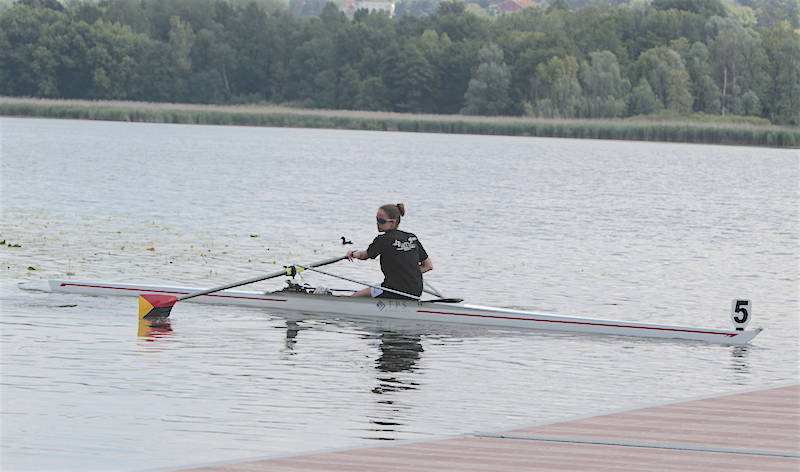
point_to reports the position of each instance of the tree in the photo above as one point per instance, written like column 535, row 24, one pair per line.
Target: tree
column 782, row 100
column 678, row 97
column 705, row 92
column 574, row 58
column 181, row 40
column 372, row 95
column 557, row 5
column 597, row 27
column 348, row 81
column 740, row 65
column 452, row 72
column 128, row 13
column 663, row 26
column 665, row 72
column 38, row 48
column 705, row 8
column 213, row 60
column 49, row 4
column 557, row 91
column 407, row 76
column 417, row 7
column 603, row 85
column 751, row 105
column 487, row 93
column 458, row 24
column 307, row 7
column 642, row 100
column 332, row 18
column 771, row 13
column 113, row 55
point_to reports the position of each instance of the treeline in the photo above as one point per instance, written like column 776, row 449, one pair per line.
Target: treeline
column 598, row 61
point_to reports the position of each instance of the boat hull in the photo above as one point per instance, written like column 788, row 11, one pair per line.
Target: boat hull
column 328, row 303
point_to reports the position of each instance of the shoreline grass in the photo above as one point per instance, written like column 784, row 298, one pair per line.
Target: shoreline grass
column 704, row 132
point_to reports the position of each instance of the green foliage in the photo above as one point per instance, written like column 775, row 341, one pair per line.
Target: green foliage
column 666, row 74
column 604, row 86
column 557, row 91
column 741, row 65
column 574, row 58
column 643, row 101
column 701, row 7
column 488, row 89
column 771, row 13
column 782, row 99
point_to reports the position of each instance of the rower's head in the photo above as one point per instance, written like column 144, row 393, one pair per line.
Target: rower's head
column 388, row 216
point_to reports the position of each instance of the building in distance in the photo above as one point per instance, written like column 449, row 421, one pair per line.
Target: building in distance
column 352, row 6
column 510, row 6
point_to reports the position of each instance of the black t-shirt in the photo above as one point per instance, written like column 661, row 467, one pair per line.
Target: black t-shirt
column 401, row 254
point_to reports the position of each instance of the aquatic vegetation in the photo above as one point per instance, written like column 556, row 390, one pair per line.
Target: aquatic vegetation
column 731, row 133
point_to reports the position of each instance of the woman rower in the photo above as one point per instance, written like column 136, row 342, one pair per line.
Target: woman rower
column 403, row 259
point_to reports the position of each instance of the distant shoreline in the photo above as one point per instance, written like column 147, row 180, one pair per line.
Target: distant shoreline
column 276, row 116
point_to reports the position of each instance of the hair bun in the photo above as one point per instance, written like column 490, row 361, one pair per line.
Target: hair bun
column 402, row 209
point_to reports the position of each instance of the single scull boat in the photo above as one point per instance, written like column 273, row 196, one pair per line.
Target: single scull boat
column 304, row 298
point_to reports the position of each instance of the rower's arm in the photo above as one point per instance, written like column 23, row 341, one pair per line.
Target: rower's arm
column 357, row 255
column 426, row 265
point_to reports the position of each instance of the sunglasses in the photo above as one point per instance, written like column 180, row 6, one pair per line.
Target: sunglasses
column 382, row 221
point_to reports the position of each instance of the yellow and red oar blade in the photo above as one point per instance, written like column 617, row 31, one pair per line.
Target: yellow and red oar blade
column 153, row 305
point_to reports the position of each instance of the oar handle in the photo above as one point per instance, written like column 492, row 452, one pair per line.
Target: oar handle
column 261, row 277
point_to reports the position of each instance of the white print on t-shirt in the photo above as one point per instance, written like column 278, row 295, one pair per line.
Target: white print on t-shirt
column 405, row 245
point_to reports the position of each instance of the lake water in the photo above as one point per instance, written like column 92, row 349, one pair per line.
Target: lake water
column 663, row 233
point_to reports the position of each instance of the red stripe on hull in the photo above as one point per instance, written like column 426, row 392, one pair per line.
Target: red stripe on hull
column 576, row 322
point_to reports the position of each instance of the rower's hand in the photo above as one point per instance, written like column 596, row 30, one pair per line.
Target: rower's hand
column 350, row 255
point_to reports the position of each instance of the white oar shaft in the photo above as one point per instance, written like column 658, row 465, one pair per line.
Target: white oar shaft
column 260, row 278
column 431, row 289
column 362, row 283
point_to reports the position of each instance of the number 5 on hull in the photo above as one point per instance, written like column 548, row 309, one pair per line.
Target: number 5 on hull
column 741, row 311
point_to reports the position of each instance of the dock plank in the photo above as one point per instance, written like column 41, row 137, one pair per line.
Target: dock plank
column 738, row 432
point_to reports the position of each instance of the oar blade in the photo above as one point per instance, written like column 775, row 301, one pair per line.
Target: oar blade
column 153, row 306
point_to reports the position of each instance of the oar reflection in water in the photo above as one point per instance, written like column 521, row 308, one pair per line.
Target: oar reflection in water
column 152, row 329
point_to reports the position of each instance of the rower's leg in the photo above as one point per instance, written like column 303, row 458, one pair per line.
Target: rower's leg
column 364, row 292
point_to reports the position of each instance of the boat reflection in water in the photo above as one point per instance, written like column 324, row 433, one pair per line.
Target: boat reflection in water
column 739, row 359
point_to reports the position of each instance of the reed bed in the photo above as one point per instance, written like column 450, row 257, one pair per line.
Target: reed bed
column 276, row 116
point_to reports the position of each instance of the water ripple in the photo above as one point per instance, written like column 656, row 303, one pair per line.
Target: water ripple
column 593, row 228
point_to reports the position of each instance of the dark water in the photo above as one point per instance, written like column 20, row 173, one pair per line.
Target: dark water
column 666, row 233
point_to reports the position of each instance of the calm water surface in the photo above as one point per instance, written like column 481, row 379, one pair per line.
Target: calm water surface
column 665, row 233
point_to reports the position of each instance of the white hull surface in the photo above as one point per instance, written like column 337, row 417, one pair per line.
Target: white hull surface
column 413, row 310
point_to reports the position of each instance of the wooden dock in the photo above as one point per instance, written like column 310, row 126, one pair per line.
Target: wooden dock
column 752, row 431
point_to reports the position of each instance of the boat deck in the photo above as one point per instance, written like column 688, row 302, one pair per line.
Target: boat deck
column 757, row 430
